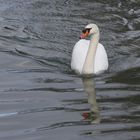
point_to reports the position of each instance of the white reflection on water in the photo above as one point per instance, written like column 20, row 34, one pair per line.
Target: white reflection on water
column 8, row 114
column 94, row 114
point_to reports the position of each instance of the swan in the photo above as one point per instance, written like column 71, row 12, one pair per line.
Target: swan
column 89, row 56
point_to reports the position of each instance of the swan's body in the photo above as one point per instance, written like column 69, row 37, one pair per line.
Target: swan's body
column 79, row 55
column 89, row 56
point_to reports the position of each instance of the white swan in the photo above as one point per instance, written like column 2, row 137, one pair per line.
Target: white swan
column 89, row 56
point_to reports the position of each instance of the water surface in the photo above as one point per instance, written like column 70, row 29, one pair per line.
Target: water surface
column 41, row 98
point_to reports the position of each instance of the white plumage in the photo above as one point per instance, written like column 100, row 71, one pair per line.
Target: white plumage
column 79, row 54
column 89, row 56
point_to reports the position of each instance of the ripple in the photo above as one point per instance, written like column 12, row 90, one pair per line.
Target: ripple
column 63, row 124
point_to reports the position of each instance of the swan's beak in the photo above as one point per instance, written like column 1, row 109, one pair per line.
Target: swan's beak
column 84, row 35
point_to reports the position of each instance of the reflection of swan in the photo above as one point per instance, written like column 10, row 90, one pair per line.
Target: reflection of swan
column 89, row 57
column 89, row 87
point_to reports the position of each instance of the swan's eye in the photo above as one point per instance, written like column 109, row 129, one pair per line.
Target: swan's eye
column 86, row 30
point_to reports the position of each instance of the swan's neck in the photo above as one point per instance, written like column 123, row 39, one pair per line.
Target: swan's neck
column 88, row 67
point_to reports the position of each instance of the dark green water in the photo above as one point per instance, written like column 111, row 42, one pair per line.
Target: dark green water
column 41, row 98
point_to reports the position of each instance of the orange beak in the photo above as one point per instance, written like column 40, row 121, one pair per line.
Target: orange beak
column 84, row 35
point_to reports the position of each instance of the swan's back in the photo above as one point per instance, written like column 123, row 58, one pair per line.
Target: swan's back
column 101, row 59
column 79, row 55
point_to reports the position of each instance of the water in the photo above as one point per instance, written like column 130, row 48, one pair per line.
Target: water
column 41, row 98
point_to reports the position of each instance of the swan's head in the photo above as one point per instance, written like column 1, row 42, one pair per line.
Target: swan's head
column 89, row 30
